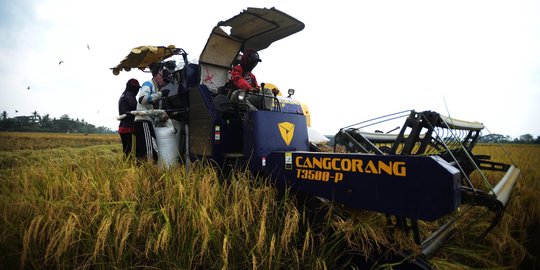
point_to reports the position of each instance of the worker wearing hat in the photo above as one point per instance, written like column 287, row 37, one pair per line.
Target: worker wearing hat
column 243, row 80
column 127, row 103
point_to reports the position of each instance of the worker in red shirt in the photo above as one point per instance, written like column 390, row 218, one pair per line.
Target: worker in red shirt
column 243, row 80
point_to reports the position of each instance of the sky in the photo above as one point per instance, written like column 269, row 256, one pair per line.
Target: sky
column 355, row 60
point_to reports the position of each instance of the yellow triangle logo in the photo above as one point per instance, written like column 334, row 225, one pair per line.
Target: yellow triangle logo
column 287, row 131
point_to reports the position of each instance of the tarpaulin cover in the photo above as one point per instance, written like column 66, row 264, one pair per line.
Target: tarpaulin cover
column 142, row 56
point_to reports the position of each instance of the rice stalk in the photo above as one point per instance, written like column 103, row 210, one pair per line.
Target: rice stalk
column 122, row 230
column 31, row 234
column 150, row 243
column 308, row 243
column 362, row 232
column 272, row 250
column 290, row 228
column 101, row 236
column 70, row 232
column 254, row 264
column 203, row 227
column 162, row 241
column 225, row 253
column 262, row 229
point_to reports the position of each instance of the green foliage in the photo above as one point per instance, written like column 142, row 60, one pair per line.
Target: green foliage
column 498, row 138
column 36, row 123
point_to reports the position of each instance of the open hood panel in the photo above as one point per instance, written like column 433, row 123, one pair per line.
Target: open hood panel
column 254, row 28
column 258, row 28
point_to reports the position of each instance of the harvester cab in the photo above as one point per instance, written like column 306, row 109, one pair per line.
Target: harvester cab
column 228, row 133
column 419, row 171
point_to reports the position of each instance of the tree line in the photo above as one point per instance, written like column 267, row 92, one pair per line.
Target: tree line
column 38, row 123
column 498, row 138
column 44, row 123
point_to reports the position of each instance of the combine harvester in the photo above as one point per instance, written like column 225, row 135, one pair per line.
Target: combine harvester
column 419, row 171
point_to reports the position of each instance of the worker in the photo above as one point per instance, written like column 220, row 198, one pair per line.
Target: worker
column 243, row 80
column 150, row 94
column 126, row 104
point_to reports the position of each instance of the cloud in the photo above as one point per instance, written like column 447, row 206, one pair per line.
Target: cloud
column 353, row 61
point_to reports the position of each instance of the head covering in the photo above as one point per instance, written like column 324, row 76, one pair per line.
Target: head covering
column 155, row 68
column 133, row 85
column 249, row 60
column 167, row 75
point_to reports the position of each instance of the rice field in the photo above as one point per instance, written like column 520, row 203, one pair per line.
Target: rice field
column 70, row 201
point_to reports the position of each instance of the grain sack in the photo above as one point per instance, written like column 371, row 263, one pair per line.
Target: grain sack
column 167, row 141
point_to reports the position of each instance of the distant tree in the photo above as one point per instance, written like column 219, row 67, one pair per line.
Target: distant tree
column 526, row 138
column 46, row 122
column 4, row 116
column 8, row 124
column 103, row 129
column 23, row 122
column 63, row 124
column 36, row 117
column 493, row 138
column 537, row 140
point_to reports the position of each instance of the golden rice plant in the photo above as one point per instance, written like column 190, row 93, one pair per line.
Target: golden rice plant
column 85, row 207
column 11, row 141
column 506, row 246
